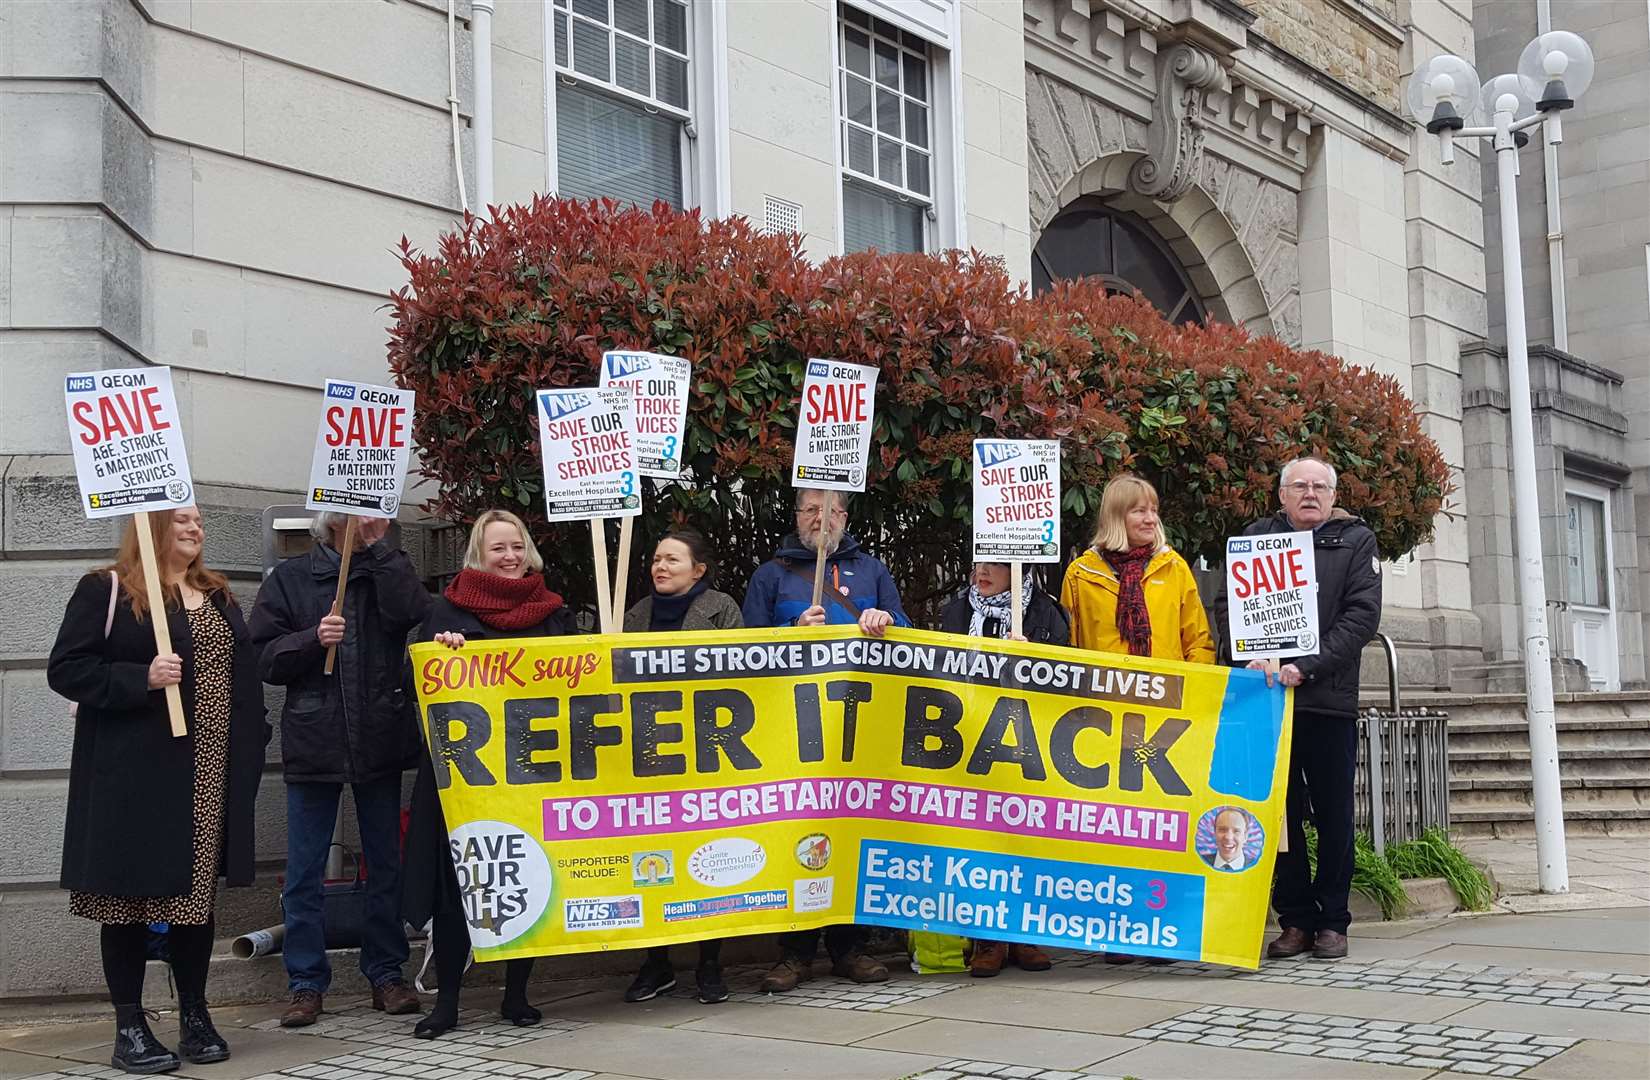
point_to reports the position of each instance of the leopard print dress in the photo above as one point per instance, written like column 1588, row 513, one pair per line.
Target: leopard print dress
column 214, row 680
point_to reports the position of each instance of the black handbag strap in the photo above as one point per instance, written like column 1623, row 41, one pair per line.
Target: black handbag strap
column 837, row 596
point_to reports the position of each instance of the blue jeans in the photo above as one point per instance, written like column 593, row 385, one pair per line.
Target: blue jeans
column 311, row 812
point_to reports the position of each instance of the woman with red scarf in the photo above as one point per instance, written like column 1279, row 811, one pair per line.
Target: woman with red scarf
column 500, row 593
column 1130, row 592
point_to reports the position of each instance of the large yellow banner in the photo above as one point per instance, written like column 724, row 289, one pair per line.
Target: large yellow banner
column 629, row 790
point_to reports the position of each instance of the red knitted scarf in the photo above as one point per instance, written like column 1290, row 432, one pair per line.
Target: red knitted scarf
column 503, row 603
column 1134, row 623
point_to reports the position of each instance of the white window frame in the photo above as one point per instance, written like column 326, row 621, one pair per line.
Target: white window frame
column 704, row 130
column 944, row 226
column 1604, row 496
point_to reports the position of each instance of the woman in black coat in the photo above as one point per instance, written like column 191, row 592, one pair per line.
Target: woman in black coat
column 500, row 593
column 154, row 820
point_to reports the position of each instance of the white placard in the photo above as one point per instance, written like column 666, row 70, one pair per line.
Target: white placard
column 589, row 451
column 362, row 449
column 1272, row 595
column 1017, row 500
column 128, row 442
column 833, row 437
column 658, row 385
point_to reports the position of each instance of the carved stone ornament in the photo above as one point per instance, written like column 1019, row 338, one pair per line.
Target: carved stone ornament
column 1185, row 73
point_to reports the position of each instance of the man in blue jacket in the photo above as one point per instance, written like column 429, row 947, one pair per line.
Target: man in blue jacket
column 858, row 589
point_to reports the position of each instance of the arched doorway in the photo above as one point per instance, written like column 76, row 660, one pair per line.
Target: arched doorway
column 1091, row 239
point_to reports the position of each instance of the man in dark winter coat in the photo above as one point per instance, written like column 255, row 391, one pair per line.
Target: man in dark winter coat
column 858, row 589
column 351, row 727
column 1324, row 752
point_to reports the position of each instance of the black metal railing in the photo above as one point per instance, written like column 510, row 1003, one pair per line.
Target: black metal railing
column 1402, row 781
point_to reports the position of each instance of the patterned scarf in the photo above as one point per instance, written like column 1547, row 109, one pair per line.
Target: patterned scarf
column 1134, row 623
column 503, row 603
column 991, row 616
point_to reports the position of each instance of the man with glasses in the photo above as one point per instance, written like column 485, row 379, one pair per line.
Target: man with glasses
column 858, row 589
column 1324, row 752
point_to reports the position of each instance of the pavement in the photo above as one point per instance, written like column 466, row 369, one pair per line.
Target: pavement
column 1539, row 994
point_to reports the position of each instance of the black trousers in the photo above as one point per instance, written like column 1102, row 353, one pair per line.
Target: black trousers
column 839, row 941
column 1323, row 758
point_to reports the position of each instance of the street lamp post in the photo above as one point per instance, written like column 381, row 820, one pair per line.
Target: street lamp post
column 1444, row 95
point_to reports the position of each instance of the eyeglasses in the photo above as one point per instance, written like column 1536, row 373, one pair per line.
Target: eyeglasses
column 1316, row 487
column 811, row 512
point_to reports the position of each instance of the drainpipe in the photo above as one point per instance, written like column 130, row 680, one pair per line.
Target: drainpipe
column 1555, row 228
column 481, row 42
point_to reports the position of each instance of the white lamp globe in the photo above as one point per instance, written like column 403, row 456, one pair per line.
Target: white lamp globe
column 1502, row 86
column 1555, row 69
column 1443, row 93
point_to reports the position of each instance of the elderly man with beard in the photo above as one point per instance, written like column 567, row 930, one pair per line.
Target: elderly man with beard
column 858, row 590
column 1312, row 908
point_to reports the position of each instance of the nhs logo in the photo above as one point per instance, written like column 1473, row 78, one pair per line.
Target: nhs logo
column 995, row 453
column 79, row 384
column 602, row 912
column 342, row 391
column 623, row 365
column 557, row 405
column 1239, row 547
column 819, row 370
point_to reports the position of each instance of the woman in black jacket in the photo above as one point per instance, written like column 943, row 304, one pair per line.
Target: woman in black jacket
column 684, row 569
column 154, row 820
column 985, row 610
column 500, row 593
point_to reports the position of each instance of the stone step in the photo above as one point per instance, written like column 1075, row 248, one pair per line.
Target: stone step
column 1460, row 783
column 1606, row 802
column 1567, row 721
column 1600, row 771
column 1521, row 826
column 1614, row 739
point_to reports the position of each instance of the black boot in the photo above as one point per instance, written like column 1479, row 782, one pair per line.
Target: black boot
column 442, row 1019
column 198, row 1041
column 136, row 1048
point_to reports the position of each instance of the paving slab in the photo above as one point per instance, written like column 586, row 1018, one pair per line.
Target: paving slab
column 1096, row 1013
column 667, row 1010
column 1548, row 959
column 1546, row 1020
column 1617, row 914
column 14, row 1065
column 678, row 1054
column 838, row 1026
column 1578, row 934
column 1184, row 1061
column 59, row 1040
column 1005, row 1043
column 1396, row 929
column 1596, row 1059
column 254, row 1053
column 1368, row 1004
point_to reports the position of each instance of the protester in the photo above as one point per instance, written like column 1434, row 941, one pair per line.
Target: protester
column 500, row 593
column 351, row 727
column 1324, row 750
column 858, row 589
column 684, row 569
column 1130, row 592
column 985, row 610
column 154, row 820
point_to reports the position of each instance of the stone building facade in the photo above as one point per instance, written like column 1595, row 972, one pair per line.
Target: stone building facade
column 218, row 187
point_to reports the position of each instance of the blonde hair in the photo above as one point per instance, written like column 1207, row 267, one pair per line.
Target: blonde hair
column 475, row 557
column 1123, row 493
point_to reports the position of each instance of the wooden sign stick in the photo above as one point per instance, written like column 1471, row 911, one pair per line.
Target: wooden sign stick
column 621, row 576
column 604, row 601
column 819, row 570
column 1017, row 617
column 157, row 614
column 343, row 580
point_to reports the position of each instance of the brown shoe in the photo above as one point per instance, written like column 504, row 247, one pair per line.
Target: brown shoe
column 1291, row 943
column 857, row 967
column 1120, row 958
column 988, row 960
column 1029, row 958
column 396, row 998
column 304, row 1010
column 1329, row 945
column 788, row 974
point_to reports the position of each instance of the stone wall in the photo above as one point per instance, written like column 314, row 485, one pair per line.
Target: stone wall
column 1353, row 42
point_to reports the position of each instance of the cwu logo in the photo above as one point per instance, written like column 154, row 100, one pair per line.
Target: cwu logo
column 342, row 391
column 623, row 365
column 79, row 384
column 995, row 453
column 556, row 406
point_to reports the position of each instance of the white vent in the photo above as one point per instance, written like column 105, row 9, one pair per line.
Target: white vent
column 781, row 215
column 1400, row 565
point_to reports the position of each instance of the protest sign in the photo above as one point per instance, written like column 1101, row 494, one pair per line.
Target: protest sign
column 129, row 459
column 658, row 387
column 619, row 792
column 1272, row 595
column 588, row 445
column 362, row 449
column 833, row 439
column 1017, row 500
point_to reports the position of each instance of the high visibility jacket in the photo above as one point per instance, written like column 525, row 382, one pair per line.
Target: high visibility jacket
column 1180, row 628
